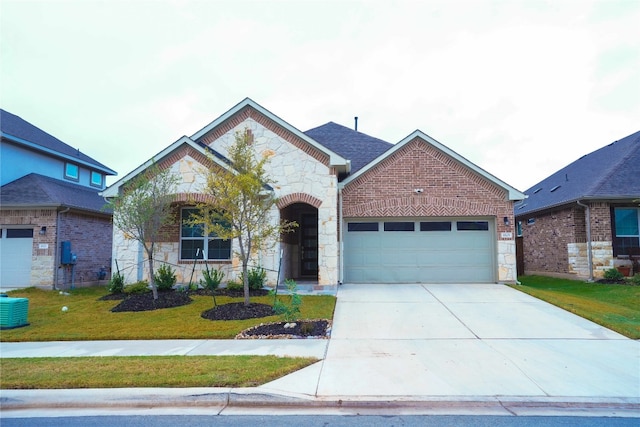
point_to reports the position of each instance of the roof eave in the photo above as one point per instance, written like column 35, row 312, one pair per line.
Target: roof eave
column 554, row 206
column 38, row 147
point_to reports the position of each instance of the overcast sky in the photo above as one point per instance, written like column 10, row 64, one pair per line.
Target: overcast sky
column 520, row 88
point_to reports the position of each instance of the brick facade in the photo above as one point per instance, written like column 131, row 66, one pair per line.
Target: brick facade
column 556, row 242
column 449, row 189
column 90, row 237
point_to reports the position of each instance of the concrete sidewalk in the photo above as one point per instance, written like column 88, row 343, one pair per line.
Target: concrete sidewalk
column 434, row 348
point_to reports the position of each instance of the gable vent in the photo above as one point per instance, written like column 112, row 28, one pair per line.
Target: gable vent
column 555, row 188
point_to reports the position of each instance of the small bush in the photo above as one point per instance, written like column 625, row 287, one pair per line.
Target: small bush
column 257, row 277
column 613, row 274
column 290, row 310
column 116, row 284
column 212, row 279
column 137, row 288
column 636, row 279
column 233, row 285
column 165, row 278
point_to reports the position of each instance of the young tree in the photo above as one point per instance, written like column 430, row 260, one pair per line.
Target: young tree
column 241, row 202
column 143, row 208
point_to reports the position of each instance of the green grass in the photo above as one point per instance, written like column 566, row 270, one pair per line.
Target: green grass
column 147, row 371
column 90, row 319
column 616, row 307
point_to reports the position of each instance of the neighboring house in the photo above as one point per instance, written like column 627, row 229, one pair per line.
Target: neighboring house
column 49, row 194
column 368, row 211
column 583, row 219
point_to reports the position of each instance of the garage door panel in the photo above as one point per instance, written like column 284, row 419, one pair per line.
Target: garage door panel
column 420, row 256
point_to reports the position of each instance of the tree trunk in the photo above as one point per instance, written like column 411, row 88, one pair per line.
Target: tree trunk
column 152, row 281
column 245, row 277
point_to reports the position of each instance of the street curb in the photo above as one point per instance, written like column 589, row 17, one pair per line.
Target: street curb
column 221, row 399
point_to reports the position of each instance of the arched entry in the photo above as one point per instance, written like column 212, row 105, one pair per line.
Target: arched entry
column 300, row 247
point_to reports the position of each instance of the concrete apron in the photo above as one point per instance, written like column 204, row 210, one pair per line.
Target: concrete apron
column 465, row 342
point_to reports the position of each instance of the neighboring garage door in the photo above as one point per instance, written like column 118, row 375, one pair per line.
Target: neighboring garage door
column 419, row 251
column 16, row 249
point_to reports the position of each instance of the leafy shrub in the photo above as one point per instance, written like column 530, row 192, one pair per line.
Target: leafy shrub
column 233, row 285
column 140, row 287
column 257, row 277
column 290, row 310
column 165, row 278
column 636, row 279
column 212, row 279
column 613, row 274
column 116, row 283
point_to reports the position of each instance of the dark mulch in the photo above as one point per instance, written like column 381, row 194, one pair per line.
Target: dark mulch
column 229, row 293
column 302, row 328
column 238, row 311
column 145, row 302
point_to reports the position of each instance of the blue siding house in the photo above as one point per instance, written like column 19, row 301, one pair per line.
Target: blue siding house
column 49, row 194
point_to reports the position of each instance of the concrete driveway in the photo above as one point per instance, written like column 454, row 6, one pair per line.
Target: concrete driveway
column 465, row 341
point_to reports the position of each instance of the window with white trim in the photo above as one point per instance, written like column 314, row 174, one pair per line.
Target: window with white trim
column 197, row 243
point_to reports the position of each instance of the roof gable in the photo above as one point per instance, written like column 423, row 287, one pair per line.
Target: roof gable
column 357, row 147
column 611, row 172
column 21, row 132
column 246, row 107
column 171, row 154
column 39, row 190
column 512, row 193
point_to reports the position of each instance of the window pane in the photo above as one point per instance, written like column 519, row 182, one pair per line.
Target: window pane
column 189, row 230
column 626, row 221
column 362, row 226
column 219, row 249
column 435, row 226
column 19, row 233
column 473, row 225
column 399, row 226
column 71, row 171
column 96, row 179
column 192, row 249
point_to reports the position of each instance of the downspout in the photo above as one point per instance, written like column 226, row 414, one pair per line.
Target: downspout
column 589, row 255
column 56, row 253
column 340, row 236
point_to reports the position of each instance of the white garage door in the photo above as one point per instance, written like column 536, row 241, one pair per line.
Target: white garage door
column 16, row 248
column 420, row 251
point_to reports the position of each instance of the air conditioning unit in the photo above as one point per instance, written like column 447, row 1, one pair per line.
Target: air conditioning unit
column 13, row 312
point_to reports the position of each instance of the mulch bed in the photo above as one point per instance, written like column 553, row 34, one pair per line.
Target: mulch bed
column 318, row 328
column 145, row 302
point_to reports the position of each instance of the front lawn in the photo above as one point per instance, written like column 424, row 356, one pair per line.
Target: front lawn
column 146, row 371
column 616, row 307
column 87, row 318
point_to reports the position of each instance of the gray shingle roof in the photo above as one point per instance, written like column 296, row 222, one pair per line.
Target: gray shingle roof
column 39, row 190
column 350, row 144
column 612, row 172
column 17, row 129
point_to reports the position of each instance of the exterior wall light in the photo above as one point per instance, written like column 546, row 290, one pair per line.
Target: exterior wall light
column 506, row 220
column 43, row 230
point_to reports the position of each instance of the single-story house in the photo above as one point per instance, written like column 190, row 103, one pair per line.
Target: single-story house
column 54, row 232
column 368, row 211
column 584, row 218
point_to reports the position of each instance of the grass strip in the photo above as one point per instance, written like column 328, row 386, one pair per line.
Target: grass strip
column 616, row 307
column 146, row 371
column 88, row 318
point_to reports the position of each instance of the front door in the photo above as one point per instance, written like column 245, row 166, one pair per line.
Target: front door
column 309, row 245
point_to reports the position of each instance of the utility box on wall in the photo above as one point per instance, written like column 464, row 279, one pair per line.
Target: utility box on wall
column 13, row 312
column 66, row 256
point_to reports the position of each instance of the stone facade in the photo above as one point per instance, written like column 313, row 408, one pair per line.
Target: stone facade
column 300, row 175
column 450, row 189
